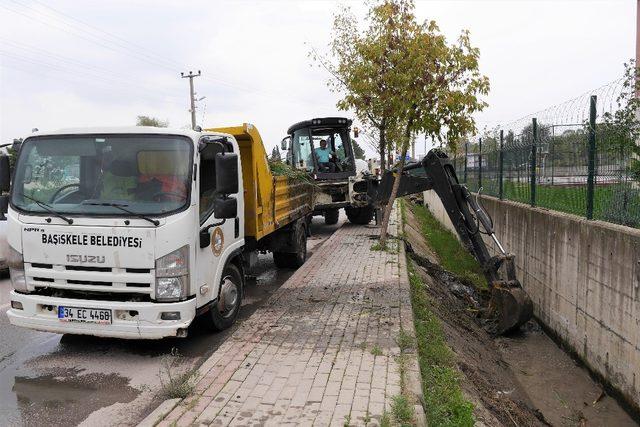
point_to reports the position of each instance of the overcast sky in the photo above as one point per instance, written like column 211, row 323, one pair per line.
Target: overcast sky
column 102, row 63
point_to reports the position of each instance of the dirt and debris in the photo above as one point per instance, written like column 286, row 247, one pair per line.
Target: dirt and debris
column 521, row 380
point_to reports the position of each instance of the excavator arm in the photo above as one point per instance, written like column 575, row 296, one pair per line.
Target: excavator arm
column 510, row 306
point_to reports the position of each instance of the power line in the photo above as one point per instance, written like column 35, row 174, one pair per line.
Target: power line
column 118, row 44
column 94, row 40
column 73, row 64
column 93, row 79
column 145, row 51
column 156, row 59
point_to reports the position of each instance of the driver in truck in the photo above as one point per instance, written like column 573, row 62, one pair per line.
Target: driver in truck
column 324, row 154
column 119, row 180
column 151, row 173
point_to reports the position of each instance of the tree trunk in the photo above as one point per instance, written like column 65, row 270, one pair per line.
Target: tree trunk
column 382, row 146
column 394, row 191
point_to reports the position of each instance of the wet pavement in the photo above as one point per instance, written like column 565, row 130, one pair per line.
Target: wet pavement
column 52, row 379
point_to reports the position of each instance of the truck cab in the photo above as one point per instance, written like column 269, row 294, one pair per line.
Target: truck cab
column 125, row 232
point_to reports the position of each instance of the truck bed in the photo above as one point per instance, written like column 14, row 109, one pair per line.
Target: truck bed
column 270, row 202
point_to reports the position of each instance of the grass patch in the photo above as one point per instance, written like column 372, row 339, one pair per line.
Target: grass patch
column 377, row 246
column 405, row 341
column 175, row 382
column 445, row 404
column 376, row 350
column 618, row 203
column 403, row 213
column 402, row 411
column 391, row 246
column 385, row 421
column 453, row 256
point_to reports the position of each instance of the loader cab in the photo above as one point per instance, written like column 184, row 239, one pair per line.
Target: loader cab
column 322, row 147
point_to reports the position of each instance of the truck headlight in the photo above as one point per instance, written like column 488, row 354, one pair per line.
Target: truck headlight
column 172, row 275
column 16, row 270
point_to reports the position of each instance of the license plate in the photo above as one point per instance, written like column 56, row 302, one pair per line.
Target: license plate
column 85, row 315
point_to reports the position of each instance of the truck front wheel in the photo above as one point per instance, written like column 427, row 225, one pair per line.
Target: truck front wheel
column 225, row 310
column 359, row 215
column 331, row 216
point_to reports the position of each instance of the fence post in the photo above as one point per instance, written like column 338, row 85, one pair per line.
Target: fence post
column 479, row 164
column 591, row 165
column 501, row 166
column 466, row 151
column 552, row 152
column 534, row 150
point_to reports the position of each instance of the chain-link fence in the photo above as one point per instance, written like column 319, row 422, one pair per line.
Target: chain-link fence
column 564, row 158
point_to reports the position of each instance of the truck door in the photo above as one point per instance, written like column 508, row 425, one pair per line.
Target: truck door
column 210, row 259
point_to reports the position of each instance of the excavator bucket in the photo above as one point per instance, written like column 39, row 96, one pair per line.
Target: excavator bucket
column 511, row 308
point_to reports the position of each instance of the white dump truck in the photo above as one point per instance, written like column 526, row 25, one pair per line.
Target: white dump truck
column 133, row 232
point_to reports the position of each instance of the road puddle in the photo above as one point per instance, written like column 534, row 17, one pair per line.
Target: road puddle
column 67, row 398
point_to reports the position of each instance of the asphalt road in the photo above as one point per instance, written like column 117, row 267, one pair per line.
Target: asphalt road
column 51, row 379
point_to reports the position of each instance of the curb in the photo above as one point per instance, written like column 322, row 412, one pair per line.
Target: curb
column 414, row 378
column 159, row 413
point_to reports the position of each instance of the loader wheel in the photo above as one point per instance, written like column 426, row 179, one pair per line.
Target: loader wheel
column 361, row 216
column 293, row 260
column 224, row 311
column 331, row 216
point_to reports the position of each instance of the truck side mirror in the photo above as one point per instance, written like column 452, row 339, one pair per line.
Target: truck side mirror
column 5, row 174
column 225, row 208
column 284, row 144
column 226, row 173
column 4, row 207
column 17, row 143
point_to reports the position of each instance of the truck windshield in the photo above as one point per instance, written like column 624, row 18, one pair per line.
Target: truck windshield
column 88, row 174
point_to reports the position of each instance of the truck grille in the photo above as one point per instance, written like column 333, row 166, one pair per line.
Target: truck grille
column 78, row 278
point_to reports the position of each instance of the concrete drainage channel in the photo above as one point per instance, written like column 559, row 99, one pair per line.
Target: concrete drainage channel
column 521, row 379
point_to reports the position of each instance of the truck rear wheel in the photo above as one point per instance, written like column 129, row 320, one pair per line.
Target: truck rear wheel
column 361, row 216
column 293, row 259
column 225, row 310
column 331, row 216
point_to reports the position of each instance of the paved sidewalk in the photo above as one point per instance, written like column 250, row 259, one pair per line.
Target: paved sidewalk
column 321, row 351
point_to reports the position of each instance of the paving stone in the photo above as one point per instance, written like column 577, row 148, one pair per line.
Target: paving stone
column 305, row 357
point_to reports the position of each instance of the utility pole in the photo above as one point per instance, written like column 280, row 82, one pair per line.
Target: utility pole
column 192, row 95
column 637, row 64
column 637, row 32
column 413, row 149
column 425, row 144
